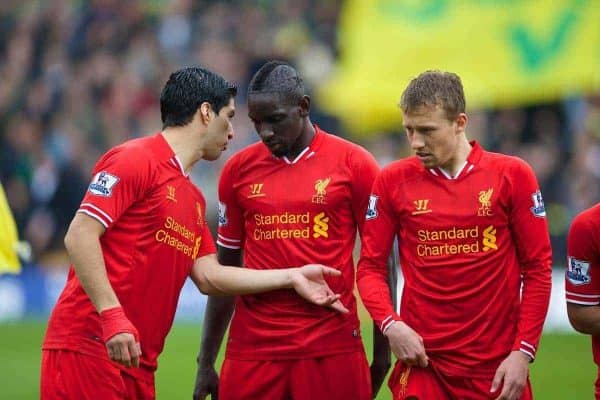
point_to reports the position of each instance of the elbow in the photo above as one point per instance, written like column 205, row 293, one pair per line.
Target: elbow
column 204, row 282
column 70, row 239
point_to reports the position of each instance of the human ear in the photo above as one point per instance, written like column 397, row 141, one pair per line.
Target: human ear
column 205, row 111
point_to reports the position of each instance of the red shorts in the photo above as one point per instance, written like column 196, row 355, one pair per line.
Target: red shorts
column 415, row 383
column 344, row 376
column 71, row 375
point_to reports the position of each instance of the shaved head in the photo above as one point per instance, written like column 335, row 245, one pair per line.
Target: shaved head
column 278, row 77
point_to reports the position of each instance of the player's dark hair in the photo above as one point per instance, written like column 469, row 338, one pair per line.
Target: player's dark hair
column 435, row 88
column 278, row 77
column 187, row 89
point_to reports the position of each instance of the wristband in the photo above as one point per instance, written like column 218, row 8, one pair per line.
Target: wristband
column 114, row 321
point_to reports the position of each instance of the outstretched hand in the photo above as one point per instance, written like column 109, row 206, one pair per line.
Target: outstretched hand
column 309, row 282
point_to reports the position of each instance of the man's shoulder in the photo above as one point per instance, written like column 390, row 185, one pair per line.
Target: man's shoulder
column 589, row 215
column 409, row 166
column 501, row 160
column 137, row 149
column 338, row 143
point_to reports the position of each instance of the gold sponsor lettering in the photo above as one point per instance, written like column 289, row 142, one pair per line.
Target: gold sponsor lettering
column 428, row 238
column 424, row 250
column 281, row 219
column 277, row 233
column 173, row 225
column 163, row 236
column 425, row 235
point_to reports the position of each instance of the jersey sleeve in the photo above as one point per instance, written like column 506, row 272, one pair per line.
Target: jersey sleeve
column 120, row 178
column 379, row 229
column 529, row 229
column 582, row 276
column 364, row 171
column 230, row 233
column 207, row 244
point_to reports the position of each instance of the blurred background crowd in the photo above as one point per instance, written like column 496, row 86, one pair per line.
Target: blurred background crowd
column 78, row 77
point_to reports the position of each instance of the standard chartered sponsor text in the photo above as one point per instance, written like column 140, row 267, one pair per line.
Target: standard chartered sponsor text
column 265, row 232
column 167, row 236
column 468, row 236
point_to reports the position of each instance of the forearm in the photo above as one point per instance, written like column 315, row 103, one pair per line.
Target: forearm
column 535, row 300
column 216, row 319
column 228, row 281
column 374, row 290
column 85, row 252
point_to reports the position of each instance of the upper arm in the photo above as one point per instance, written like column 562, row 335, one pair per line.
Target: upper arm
column 364, row 171
column 121, row 177
column 584, row 319
column 528, row 223
column 83, row 226
column 228, row 256
column 582, row 275
column 230, row 233
column 380, row 226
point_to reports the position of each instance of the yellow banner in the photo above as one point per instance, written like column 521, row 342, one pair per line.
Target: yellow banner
column 507, row 52
column 9, row 262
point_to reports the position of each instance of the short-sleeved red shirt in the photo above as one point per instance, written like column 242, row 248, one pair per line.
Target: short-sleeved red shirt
column 155, row 228
column 287, row 213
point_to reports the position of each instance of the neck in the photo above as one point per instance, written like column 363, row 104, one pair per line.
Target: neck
column 308, row 133
column 178, row 139
column 458, row 161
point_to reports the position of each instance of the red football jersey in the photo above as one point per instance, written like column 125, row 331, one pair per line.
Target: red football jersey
column 155, row 229
column 286, row 214
column 466, row 243
column 582, row 278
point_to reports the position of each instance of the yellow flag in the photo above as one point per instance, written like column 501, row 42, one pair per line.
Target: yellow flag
column 507, row 52
column 9, row 239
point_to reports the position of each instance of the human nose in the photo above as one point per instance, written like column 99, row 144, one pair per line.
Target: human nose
column 230, row 132
column 416, row 141
column 265, row 132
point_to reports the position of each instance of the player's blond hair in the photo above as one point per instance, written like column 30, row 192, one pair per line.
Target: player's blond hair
column 435, row 88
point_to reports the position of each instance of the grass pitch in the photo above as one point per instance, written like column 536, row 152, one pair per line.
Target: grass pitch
column 564, row 369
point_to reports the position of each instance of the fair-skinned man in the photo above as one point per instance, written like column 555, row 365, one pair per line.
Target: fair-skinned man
column 139, row 233
column 471, row 230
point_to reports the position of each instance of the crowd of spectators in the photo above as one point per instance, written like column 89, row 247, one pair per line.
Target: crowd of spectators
column 79, row 77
